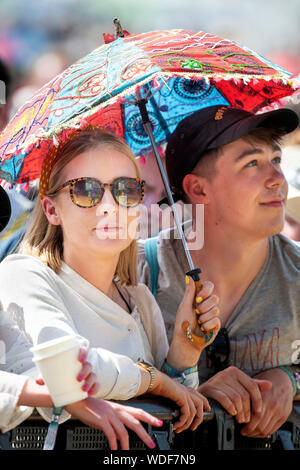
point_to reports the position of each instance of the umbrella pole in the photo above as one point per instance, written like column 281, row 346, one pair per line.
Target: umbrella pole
column 194, row 272
column 205, row 336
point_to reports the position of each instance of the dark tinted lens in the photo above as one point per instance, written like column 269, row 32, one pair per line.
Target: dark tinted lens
column 127, row 192
column 87, row 192
column 218, row 351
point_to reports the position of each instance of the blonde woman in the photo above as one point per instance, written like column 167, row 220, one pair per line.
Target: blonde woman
column 76, row 273
column 19, row 393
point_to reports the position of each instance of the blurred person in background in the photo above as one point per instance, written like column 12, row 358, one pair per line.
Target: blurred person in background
column 150, row 219
column 155, row 217
column 42, row 70
column 23, row 197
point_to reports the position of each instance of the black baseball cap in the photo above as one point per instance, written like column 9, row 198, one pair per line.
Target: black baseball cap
column 211, row 127
column 5, row 209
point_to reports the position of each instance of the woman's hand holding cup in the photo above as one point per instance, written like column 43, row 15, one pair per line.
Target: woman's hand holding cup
column 90, row 384
column 86, row 374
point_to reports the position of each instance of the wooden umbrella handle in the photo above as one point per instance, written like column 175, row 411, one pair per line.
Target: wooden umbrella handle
column 206, row 335
column 198, row 285
column 204, row 338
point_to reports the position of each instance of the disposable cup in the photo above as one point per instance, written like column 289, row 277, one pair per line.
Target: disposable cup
column 58, row 364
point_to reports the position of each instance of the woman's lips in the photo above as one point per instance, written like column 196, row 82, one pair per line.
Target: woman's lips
column 108, row 229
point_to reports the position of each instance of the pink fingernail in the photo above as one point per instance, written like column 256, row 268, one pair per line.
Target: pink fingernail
column 79, row 378
column 85, row 387
column 152, row 444
column 159, row 422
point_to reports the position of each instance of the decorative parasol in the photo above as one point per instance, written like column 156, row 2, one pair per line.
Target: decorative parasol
column 173, row 73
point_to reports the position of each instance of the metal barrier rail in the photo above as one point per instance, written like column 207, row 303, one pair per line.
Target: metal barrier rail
column 218, row 431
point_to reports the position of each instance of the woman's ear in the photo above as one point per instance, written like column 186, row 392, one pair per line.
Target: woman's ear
column 196, row 188
column 50, row 211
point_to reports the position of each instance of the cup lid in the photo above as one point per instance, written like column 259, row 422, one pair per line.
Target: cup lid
column 53, row 346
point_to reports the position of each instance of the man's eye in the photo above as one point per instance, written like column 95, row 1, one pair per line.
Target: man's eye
column 252, row 163
column 277, row 160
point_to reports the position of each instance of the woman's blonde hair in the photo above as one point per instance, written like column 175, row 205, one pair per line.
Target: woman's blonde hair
column 44, row 240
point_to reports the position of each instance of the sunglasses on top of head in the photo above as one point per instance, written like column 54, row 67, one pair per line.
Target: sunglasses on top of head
column 88, row 192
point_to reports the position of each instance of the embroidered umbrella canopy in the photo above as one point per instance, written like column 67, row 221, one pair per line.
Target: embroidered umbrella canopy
column 166, row 74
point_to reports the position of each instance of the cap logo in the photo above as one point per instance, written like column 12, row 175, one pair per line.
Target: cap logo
column 219, row 114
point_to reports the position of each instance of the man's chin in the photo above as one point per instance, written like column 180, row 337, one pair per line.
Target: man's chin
column 274, row 229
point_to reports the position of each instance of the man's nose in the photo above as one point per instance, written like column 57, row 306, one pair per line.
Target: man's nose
column 275, row 177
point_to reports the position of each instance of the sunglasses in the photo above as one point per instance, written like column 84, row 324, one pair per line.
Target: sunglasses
column 218, row 351
column 88, row 192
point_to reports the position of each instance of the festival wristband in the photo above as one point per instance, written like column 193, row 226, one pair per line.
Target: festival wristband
column 289, row 371
column 172, row 372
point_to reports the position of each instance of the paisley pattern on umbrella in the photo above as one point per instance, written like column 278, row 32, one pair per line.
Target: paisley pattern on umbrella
column 167, row 108
column 176, row 71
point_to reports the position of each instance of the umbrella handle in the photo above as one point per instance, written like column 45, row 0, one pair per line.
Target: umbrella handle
column 204, row 337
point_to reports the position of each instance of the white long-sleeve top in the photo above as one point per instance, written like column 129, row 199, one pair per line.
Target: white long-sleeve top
column 47, row 305
column 14, row 356
column 11, row 415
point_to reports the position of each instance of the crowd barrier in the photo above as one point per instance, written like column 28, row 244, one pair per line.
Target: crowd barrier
column 219, row 431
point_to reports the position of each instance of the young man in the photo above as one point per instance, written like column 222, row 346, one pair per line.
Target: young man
column 229, row 161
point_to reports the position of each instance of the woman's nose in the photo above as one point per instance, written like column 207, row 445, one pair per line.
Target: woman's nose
column 107, row 204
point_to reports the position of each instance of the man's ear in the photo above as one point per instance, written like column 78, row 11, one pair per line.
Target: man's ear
column 50, row 211
column 196, row 188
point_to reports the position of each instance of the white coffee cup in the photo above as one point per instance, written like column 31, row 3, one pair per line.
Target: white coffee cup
column 57, row 361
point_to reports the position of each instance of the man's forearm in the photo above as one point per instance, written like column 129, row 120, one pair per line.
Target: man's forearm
column 288, row 373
